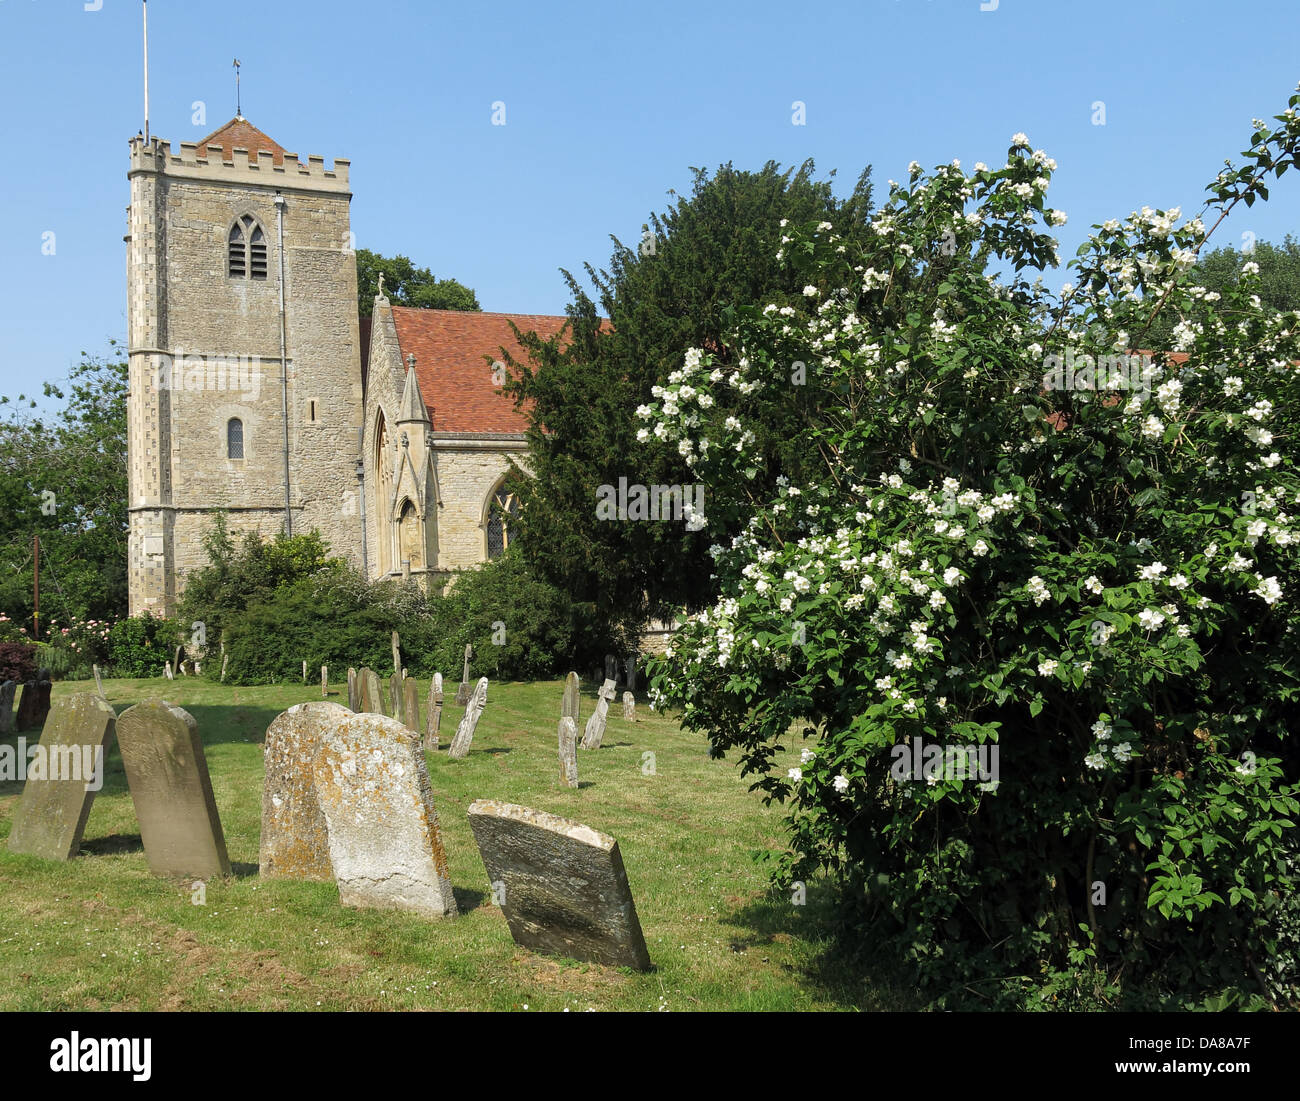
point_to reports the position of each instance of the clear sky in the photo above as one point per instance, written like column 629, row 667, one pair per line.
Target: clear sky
column 607, row 106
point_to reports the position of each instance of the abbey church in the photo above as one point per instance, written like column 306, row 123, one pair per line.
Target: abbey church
column 256, row 389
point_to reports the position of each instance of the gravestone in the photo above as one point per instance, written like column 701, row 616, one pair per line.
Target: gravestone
column 473, row 712
column 395, row 697
column 52, row 812
column 434, row 717
column 385, row 847
column 167, row 671
column 7, row 706
column 353, row 699
column 35, row 702
column 411, row 703
column 629, row 707
column 304, row 670
column 611, row 667
column 572, row 697
column 225, row 660
column 596, row 724
column 397, row 653
column 324, row 681
column 568, row 732
column 99, row 684
column 462, row 693
column 560, row 884
column 295, row 843
column 629, row 667
column 172, row 792
column 372, row 694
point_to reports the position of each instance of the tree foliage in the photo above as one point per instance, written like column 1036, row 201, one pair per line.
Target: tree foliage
column 407, row 285
column 673, row 287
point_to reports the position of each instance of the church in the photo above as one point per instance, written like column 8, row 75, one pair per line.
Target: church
column 257, row 390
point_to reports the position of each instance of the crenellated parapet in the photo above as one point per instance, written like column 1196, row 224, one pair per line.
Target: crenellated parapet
column 243, row 167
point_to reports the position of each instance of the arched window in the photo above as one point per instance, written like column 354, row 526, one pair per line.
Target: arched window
column 503, row 509
column 246, row 249
column 234, row 438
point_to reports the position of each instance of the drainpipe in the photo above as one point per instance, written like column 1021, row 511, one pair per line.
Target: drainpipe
column 284, row 367
column 361, row 493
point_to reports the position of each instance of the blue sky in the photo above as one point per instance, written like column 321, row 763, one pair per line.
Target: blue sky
column 607, row 106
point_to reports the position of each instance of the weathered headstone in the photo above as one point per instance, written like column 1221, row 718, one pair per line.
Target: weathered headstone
column 629, row 707
column 304, row 670
column 385, row 847
column 167, row 671
column 629, row 667
column 35, row 702
column 572, row 697
column 395, row 697
column 372, row 693
column 434, row 717
column 397, row 653
column 411, row 703
column 595, row 730
column 55, row 803
column 172, row 792
column 225, row 660
column 560, row 884
column 568, row 732
column 462, row 693
column 353, row 696
column 324, row 681
column 7, row 706
column 176, row 657
column 473, row 712
column 295, row 842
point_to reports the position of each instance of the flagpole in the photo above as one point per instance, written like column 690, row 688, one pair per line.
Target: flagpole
column 145, row 6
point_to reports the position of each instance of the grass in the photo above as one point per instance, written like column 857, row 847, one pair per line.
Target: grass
column 101, row 932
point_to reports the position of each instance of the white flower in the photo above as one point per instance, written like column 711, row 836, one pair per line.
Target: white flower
column 1047, row 668
column 980, row 549
column 1150, row 619
column 1123, row 751
column 1038, row 590
column 795, row 774
column 1020, row 140
column 1178, row 581
column 1094, row 585
column 1101, row 729
column 806, row 756
column 1095, row 760
column 1269, row 591
column 1153, row 571
column 840, row 784
column 810, row 291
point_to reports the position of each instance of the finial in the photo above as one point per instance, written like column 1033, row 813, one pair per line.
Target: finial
column 381, row 284
column 239, row 110
column 410, row 361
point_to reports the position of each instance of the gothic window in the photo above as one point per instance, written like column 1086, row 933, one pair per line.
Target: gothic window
column 408, row 537
column 503, row 510
column 246, row 249
column 234, row 438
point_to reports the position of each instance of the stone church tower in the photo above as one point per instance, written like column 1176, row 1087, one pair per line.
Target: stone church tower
column 244, row 344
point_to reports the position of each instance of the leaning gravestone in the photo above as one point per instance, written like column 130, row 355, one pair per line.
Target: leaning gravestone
column 568, row 732
column 7, row 706
column 372, row 694
column 172, row 792
column 395, row 699
column 595, row 731
column 295, row 843
column 385, row 848
column 629, row 707
column 411, row 703
column 572, row 697
column 561, row 885
column 434, row 717
column 99, row 684
column 397, row 652
column 167, row 671
column 473, row 712
column 462, row 693
column 52, row 812
column 353, row 700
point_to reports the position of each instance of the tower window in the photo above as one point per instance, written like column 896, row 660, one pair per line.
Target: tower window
column 234, row 438
column 311, row 411
column 246, row 249
column 504, row 508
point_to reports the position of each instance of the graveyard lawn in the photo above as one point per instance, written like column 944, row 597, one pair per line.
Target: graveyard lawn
column 101, row 932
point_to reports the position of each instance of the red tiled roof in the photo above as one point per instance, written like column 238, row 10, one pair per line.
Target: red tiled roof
column 455, row 379
column 239, row 133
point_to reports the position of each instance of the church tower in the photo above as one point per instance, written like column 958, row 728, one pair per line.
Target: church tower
column 245, row 379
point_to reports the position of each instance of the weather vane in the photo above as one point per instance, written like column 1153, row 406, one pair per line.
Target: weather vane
column 239, row 111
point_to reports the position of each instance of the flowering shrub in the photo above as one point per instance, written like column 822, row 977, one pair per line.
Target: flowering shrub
column 967, row 546
column 141, row 646
column 17, row 661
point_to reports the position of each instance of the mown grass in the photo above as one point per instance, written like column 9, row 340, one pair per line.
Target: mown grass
column 101, row 932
